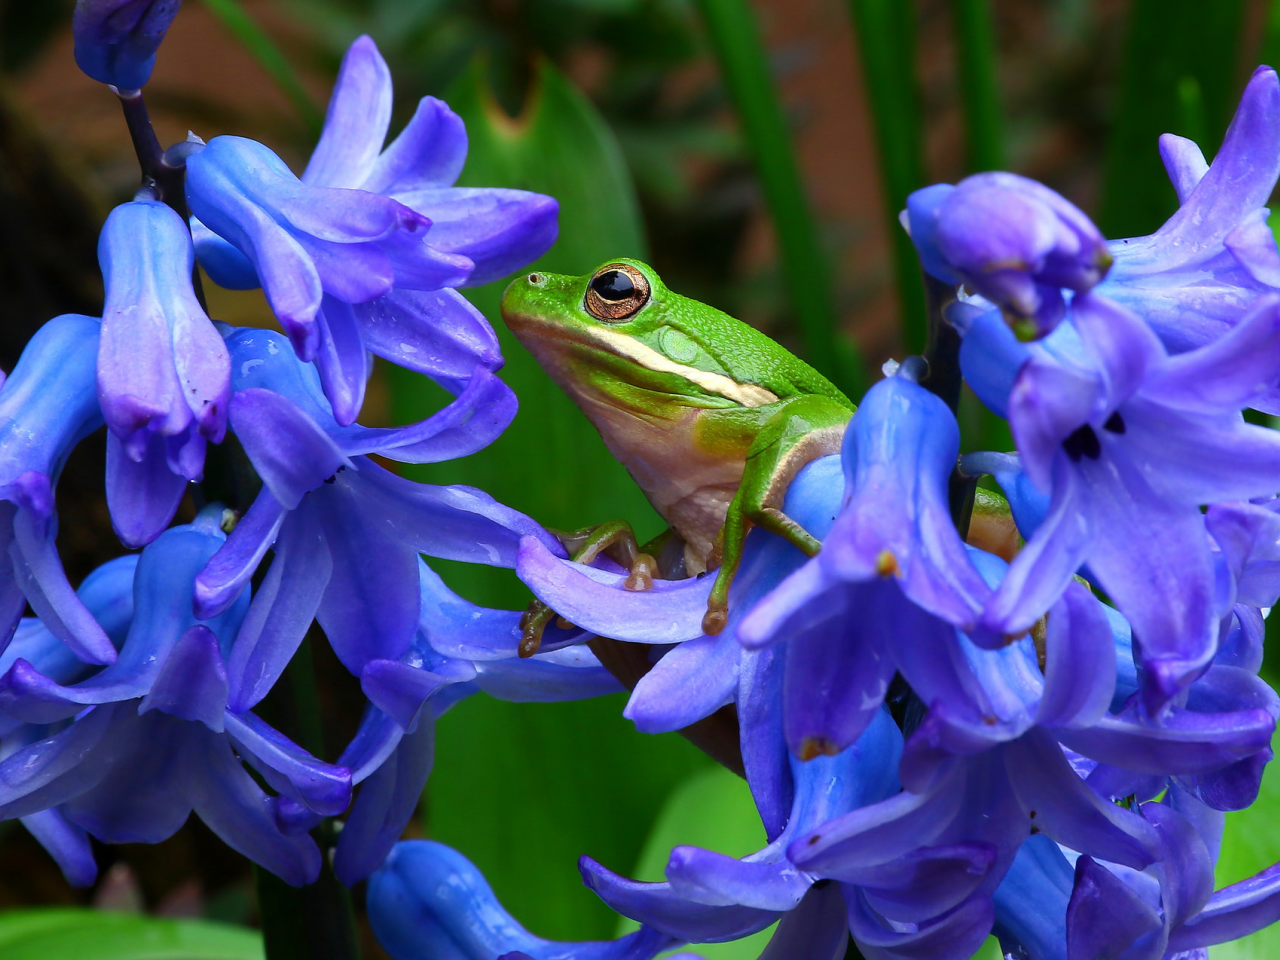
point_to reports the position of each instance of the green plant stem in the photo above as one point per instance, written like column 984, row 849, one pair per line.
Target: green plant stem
column 314, row 922
column 886, row 44
column 976, row 52
column 232, row 15
column 745, row 68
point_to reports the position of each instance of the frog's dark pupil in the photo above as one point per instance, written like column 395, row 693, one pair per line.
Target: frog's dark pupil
column 1083, row 442
column 614, row 285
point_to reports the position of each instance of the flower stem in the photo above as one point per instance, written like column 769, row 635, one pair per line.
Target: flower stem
column 167, row 180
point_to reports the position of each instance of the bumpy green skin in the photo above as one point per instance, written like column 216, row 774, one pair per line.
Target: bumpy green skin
column 711, row 417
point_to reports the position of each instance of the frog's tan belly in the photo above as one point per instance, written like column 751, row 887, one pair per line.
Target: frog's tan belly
column 690, row 487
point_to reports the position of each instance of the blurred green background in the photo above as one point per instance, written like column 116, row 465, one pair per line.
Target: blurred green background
column 756, row 154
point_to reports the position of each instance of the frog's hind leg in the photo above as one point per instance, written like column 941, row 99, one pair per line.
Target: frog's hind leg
column 803, row 430
column 616, row 540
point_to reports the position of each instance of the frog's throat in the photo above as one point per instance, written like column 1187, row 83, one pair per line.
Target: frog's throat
column 640, row 353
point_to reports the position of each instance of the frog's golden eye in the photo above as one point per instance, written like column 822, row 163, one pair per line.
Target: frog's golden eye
column 616, row 292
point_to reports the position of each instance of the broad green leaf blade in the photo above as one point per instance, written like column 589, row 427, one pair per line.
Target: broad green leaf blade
column 550, row 463
column 1179, row 73
column 886, row 46
column 232, row 15
column 523, row 790
column 745, row 68
column 74, row 934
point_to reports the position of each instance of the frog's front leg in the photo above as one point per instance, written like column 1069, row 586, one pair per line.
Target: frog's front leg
column 802, row 430
column 615, row 539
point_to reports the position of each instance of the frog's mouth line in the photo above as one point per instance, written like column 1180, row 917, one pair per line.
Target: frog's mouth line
column 640, row 353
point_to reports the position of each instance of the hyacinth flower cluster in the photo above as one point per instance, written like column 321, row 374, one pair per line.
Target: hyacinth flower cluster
column 943, row 739
column 1034, row 736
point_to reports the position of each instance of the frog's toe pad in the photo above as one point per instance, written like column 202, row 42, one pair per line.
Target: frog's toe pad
column 643, row 569
column 714, row 620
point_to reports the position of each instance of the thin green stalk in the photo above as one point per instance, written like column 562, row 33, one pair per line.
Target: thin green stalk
column 976, row 51
column 745, row 68
column 886, row 43
column 235, row 18
column 1270, row 53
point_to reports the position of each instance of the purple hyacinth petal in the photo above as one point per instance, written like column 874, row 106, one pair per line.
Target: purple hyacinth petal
column 221, row 581
column 291, row 453
column 690, row 682
column 899, row 450
column 181, row 370
column 928, row 882
column 67, row 843
column 956, row 936
column 116, row 40
column 384, row 805
column 39, row 571
column 879, row 832
column 471, row 422
column 837, row 672
column 1105, row 915
column 418, row 265
column 369, row 610
column 322, row 787
column 225, row 265
column 658, row 906
column 341, row 359
column 1182, row 744
column 766, row 758
column 498, row 230
column 1232, row 371
column 990, row 357
column 376, row 739
column 1233, row 912
column 429, row 153
column 142, row 496
column 1080, row 665
column 436, row 332
column 48, row 772
column 455, row 627
column 670, row 612
column 1254, row 246
column 1183, row 162
column 1237, row 183
column 135, row 798
column 192, row 683
column 573, row 673
column 1068, row 811
column 1043, row 567
column 357, row 120
column 815, row 930
column 452, row 523
column 714, row 879
column 232, row 806
column 280, row 614
column 1179, row 630
column 399, row 689
column 1188, row 868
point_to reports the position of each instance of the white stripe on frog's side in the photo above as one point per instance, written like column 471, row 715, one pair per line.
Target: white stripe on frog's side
column 744, row 394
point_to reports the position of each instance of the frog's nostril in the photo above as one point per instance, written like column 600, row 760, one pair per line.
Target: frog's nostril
column 535, row 278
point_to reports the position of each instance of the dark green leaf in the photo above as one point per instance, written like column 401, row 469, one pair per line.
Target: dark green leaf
column 886, row 47
column 1179, row 76
column 976, row 51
